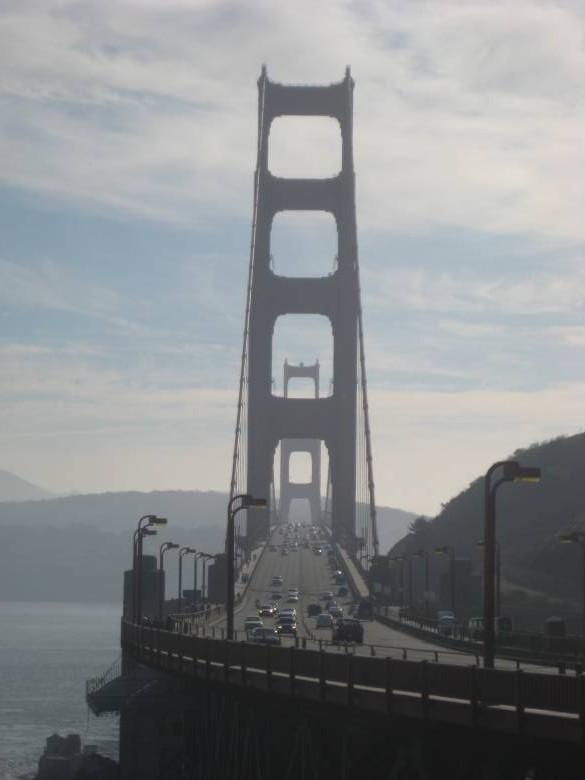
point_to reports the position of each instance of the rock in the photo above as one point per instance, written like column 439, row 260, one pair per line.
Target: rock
column 64, row 759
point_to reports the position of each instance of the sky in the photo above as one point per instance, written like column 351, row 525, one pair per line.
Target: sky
column 128, row 143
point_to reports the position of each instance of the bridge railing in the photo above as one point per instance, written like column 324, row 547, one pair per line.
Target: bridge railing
column 518, row 645
column 374, row 682
column 95, row 683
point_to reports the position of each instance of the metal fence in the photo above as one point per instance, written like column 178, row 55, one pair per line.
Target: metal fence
column 535, row 704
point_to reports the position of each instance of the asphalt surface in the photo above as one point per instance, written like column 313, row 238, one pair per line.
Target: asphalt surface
column 311, row 574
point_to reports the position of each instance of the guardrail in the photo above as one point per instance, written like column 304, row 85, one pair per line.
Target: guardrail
column 95, row 683
column 526, row 647
column 540, row 705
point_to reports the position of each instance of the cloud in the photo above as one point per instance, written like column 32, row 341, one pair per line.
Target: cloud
column 466, row 114
column 451, row 438
column 52, row 286
column 532, row 292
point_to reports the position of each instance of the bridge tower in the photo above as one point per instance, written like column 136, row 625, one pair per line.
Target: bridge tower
column 271, row 419
column 312, row 489
column 340, row 420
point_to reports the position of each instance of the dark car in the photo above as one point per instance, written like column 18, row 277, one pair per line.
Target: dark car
column 343, row 591
column 348, row 630
column 313, row 610
column 364, row 611
column 286, row 625
column 265, row 636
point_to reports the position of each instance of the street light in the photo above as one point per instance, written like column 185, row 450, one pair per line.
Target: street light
column 577, row 537
column 400, row 559
column 146, row 531
column 161, row 599
column 206, row 557
column 512, row 471
column 481, row 543
column 144, row 522
column 247, row 502
column 182, row 552
column 202, row 555
column 447, row 549
column 424, row 554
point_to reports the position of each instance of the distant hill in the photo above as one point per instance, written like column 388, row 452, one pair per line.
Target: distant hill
column 392, row 524
column 13, row 488
column 75, row 548
column 120, row 511
column 538, row 572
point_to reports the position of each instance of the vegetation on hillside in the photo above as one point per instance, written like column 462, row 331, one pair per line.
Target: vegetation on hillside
column 529, row 519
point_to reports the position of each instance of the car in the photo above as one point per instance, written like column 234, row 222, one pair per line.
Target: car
column 313, row 610
column 277, row 579
column 447, row 626
column 324, row 620
column 475, row 629
column 288, row 612
column 343, row 591
column 329, row 604
column 277, row 595
column 348, row 630
column 286, row 624
column 283, row 551
column 266, row 610
column 272, row 547
column 265, row 636
column 327, row 595
column 252, row 622
column 293, row 598
column 364, row 611
column 335, row 611
column 318, row 551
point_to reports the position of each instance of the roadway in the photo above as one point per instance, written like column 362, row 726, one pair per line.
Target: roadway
column 311, row 574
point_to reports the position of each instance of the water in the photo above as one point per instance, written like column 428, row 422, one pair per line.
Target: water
column 47, row 651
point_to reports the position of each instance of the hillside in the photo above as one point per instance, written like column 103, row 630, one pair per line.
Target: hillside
column 536, row 569
column 14, row 488
column 76, row 548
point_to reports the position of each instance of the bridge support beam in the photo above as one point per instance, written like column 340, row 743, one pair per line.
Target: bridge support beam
column 333, row 420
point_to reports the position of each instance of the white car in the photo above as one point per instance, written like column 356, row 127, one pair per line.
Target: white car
column 252, row 622
column 325, row 620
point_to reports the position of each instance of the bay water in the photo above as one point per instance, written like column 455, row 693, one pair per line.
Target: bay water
column 47, row 651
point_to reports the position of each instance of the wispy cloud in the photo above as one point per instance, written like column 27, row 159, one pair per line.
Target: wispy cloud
column 448, row 291
column 466, row 114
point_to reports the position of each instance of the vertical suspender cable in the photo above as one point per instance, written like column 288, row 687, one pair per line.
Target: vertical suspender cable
column 369, row 461
column 237, row 460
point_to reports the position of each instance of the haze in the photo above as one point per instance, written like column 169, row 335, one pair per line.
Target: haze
column 128, row 140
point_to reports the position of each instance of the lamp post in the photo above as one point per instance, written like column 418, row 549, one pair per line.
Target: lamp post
column 481, row 543
column 161, row 598
column 447, row 549
column 424, row 554
column 577, row 537
column 400, row 559
column 141, row 534
column 409, row 559
column 182, row 552
column 512, row 471
column 195, row 560
column 206, row 557
column 247, row 501
column 143, row 524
